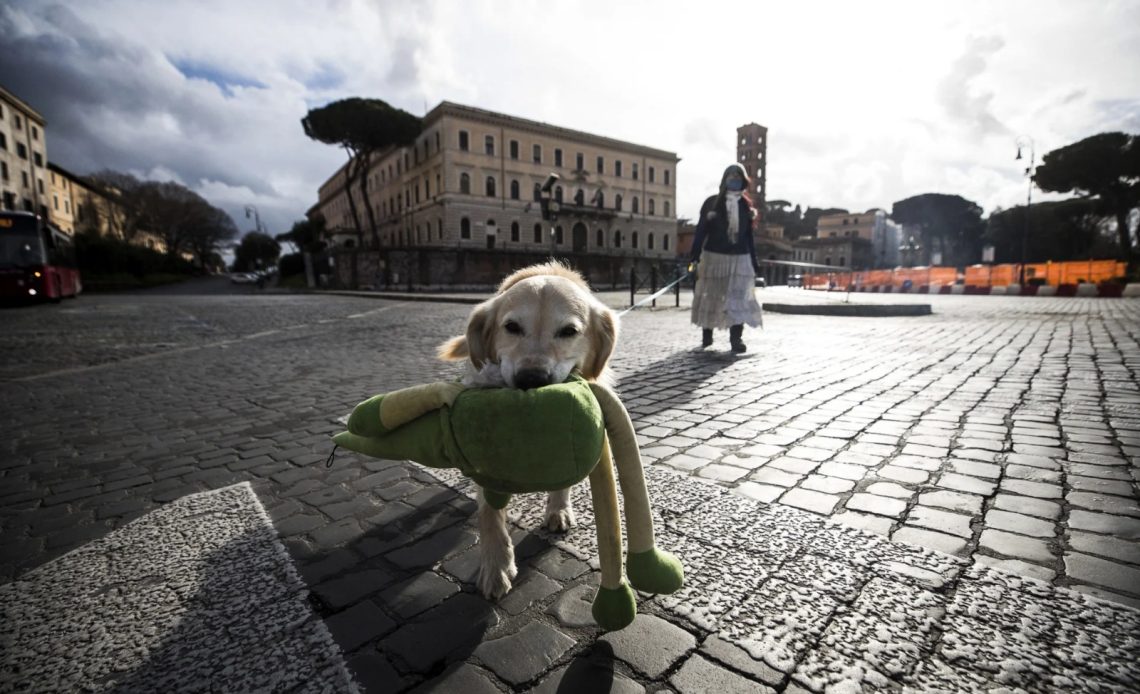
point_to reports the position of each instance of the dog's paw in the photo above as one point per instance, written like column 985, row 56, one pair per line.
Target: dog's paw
column 495, row 582
column 560, row 520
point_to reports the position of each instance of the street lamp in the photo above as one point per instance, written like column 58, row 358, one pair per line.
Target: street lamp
column 1022, row 142
column 252, row 210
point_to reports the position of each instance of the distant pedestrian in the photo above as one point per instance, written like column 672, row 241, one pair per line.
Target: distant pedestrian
column 725, row 260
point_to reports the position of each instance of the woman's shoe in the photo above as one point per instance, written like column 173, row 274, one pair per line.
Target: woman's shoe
column 735, row 333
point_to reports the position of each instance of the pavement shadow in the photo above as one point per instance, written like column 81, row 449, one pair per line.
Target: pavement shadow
column 244, row 626
column 695, row 366
column 400, row 599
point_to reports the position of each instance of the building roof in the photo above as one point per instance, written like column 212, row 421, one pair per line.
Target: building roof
column 492, row 118
column 23, row 105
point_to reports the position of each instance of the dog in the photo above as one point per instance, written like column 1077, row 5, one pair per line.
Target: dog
column 542, row 324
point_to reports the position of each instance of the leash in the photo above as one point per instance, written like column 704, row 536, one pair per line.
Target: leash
column 659, row 292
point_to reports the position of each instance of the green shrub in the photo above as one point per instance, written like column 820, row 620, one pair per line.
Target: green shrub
column 291, row 264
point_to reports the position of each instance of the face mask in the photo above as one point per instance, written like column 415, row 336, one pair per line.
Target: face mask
column 735, row 185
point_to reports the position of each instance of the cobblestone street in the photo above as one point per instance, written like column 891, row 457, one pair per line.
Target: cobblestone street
column 840, row 494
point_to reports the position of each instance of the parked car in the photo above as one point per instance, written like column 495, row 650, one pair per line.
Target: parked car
column 243, row 277
column 761, row 282
column 796, row 281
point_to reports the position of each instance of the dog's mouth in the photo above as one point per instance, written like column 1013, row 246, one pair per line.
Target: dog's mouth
column 529, row 376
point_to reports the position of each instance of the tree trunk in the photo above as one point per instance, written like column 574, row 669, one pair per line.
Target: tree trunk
column 349, row 176
column 367, row 206
column 1125, row 241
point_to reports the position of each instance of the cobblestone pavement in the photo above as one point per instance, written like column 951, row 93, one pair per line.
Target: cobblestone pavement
column 1000, row 431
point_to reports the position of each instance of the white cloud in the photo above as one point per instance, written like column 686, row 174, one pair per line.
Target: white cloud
column 866, row 103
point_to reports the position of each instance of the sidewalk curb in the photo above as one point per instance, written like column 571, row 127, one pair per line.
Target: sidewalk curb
column 862, row 310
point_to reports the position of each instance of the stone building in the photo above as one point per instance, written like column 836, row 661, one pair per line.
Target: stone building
column 874, row 226
column 23, row 156
column 471, row 181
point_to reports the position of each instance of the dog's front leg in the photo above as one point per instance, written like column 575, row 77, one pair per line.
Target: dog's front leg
column 497, row 553
column 559, row 511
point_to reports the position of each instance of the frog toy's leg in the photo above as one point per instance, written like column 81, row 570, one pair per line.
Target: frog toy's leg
column 383, row 413
column 649, row 569
column 615, row 605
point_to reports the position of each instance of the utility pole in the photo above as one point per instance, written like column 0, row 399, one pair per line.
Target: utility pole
column 1026, row 141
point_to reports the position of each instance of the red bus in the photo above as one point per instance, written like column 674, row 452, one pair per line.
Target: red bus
column 37, row 260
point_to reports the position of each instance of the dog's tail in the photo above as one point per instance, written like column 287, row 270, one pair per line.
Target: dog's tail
column 454, row 349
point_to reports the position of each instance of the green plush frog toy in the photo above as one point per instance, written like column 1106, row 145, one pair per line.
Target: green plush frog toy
column 512, row 441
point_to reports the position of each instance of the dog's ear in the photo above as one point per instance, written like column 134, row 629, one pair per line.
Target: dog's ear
column 481, row 333
column 476, row 344
column 603, row 337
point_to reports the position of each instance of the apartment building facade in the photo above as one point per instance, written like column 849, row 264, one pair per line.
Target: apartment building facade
column 23, row 156
column 472, row 180
column 873, row 226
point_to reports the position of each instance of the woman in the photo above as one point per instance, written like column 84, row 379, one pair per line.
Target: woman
column 726, row 277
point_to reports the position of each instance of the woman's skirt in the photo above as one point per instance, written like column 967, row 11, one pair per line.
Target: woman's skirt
column 725, row 294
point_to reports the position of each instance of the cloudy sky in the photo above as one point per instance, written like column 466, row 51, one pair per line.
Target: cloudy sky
column 866, row 102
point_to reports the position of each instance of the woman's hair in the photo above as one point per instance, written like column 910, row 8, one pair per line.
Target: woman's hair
column 724, row 177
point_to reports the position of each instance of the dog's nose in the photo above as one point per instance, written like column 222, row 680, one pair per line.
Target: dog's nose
column 532, row 378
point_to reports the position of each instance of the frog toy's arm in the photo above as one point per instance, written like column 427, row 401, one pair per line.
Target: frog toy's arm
column 649, row 569
column 384, row 413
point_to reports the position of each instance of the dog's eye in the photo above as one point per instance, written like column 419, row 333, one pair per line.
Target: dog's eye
column 568, row 331
column 513, row 328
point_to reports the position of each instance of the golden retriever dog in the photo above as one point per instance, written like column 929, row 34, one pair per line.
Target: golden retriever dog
column 541, row 325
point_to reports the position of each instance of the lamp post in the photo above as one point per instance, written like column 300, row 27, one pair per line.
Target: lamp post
column 252, row 210
column 1022, row 142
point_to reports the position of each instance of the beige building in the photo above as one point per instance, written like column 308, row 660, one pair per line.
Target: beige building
column 23, row 156
column 472, row 179
column 873, row 225
column 77, row 206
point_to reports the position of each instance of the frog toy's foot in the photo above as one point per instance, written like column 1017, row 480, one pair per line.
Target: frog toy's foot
column 654, row 571
column 614, row 608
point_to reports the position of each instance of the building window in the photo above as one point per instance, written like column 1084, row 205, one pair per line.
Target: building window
column 601, row 165
column 514, row 232
column 465, row 228
column 514, row 190
column 580, row 198
column 558, row 158
column 558, row 235
column 666, row 208
column 489, row 187
column 538, row 154
column 489, row 144
column 437, row 184
column 538, row 233
column 617, row 202
column 439, row 227
column 601, row 198
column 21, row 150
column 537, row 192
column 617, row 238
column 19, row 123
column 633, row 241
column 437, row 141
column 634, row 204
column 40, row 185
column 649, row 241
column 514, row 149
column 599, row 238
column 558, row 193
column 617, row 168
column 3, row 141
column 463, row 145
column 665, row 242
column 417, row 193
column 464, row 184
column 652, row 174
column 55, row 202
column 651, row 207
column 842, row 260
column 634, row 172
column 35, row 133
column 580, row 162
column 666, row 173
column 427, row 187
column 4, row 170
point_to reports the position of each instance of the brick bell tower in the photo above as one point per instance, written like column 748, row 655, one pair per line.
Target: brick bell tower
column 751, row 153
